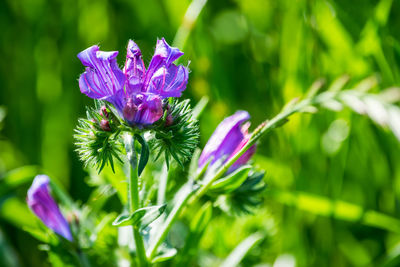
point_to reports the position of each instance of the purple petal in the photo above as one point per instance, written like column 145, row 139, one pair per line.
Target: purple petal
column 167, row 52
column 134, row 69
column 163, row 77
column 225, row 139
column 169, row 82
column 102, row 78
column 143, row 109
column 243, row 159
column 43, row 205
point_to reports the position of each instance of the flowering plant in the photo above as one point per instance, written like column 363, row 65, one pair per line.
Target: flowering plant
column 149, row 139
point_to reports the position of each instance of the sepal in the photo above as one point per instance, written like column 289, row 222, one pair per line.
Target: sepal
column 177, row 133
column 97, row 142
column 244, row 198
column 231, row 182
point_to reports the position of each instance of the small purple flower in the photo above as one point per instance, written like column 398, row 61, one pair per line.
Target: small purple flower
column 43, row 205
column 135, row 92
column 229, row 137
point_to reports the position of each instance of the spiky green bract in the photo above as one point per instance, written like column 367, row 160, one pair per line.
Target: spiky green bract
column 96, row 146
column 246, row 197
column 177, row 137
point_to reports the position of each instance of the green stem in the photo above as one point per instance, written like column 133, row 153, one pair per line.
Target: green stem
column 162, row 187
column 83, row 260
column 133, row 196
column 134, row 205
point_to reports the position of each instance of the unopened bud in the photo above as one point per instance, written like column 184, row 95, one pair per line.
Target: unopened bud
column 94, row 123
column 169, row 120
column 104, row 112
column 129, row 111
column 105, row 125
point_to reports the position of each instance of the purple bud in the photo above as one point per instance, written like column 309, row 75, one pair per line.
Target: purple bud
column 229, row 137
column 104, row 112
column 105, row 125
column 169, row 120
column 43, row 205
column 129, row 111
column 243, row 159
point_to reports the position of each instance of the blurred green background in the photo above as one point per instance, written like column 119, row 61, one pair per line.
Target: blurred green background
column 329, row 202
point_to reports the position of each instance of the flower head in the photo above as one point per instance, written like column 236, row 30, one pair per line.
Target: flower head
column 43, row 205
column 229, row 137
column 135, row 92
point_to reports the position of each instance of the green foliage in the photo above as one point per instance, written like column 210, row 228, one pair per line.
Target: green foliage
column 332, row 176
column 245, row 198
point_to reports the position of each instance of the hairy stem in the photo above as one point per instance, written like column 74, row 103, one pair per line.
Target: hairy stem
column 83, row 259
column 134, row 204
column 162, row 187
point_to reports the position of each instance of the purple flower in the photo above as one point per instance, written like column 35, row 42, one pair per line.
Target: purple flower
column 135, row 92
column 43, row 205
column 229, row 137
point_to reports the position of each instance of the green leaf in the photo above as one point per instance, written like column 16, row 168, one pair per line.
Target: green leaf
column 144, row 153
column 194, row 163
column 17, row 177
column 152, row 214
column 232, row 181
column 38, row 233
column 141, row 217
column 202, row 218
column 199, row 108
column 165, row 254
column 129, row 219
column 237, row 255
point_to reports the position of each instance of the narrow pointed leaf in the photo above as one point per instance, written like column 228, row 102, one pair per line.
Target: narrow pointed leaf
column 237, row 255
column 232, row 181
column 202, row 218
column 164, row 255
column 152, row 213
column 129, row 219
column 141, row 217
column 144, row 153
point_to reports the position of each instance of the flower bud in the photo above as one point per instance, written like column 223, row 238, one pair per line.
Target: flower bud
column 43, row 206
column 169, row 120
column 227, row 140
column 104, row 112
column 105, row 125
